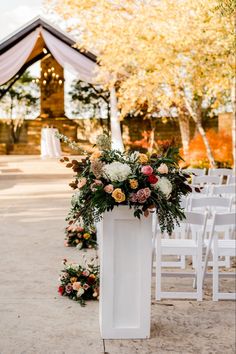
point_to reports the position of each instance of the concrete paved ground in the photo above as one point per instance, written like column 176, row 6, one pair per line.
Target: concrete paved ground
column 34, row 319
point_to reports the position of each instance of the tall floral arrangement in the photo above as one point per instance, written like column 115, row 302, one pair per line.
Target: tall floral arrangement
column 108, row 178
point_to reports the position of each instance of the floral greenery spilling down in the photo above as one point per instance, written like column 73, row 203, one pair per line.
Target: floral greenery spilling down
column 80, row 237
column 109, row 178
column 80, row 282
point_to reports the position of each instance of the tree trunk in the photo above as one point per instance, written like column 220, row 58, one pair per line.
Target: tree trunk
column 233, row 100
column 152, row 137
column 197, row 119
column 185, row 133
column 116, row 136
column 12, row 125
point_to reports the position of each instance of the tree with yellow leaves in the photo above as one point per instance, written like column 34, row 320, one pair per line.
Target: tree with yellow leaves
column 159, row 54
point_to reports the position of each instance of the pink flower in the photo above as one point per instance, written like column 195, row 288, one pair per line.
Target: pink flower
column 143, row 195
column 86, row 273
column 109, row 188
column 147, row 170
column 82, row 182
column 69, row 228
column 69, row 288
column 162, row 168
column 95, row 184
column 79, row 229
column 133, row 197
column 86, row 286
column 147, row 192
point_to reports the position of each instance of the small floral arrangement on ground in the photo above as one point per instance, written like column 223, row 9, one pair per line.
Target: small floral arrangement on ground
column 80, row 282
column 109, row 178
column 80, row 237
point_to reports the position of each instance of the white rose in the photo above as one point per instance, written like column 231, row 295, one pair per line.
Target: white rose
column 164, row 186
column 116, row 171
column 80, row 292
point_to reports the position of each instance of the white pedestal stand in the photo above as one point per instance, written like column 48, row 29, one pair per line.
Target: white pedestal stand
column 125, row 276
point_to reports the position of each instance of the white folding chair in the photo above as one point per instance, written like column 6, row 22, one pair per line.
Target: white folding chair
column 210, row 204
column 177, row 234
column 231, row 179
column 206, row 180
column 220, row 248
column 195, row 224
column 220, row 172
column 223, row 190
column 196, row 171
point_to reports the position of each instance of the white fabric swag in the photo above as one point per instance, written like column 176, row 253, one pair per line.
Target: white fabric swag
column 70, row 59
column 84, row 68
column 13, row 59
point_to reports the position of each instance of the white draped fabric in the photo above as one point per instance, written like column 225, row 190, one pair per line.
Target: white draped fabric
column 13, row 59
column 50, row 144
column 70, row 59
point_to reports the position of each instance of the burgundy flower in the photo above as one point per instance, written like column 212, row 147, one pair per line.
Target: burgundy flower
column 61, row 290
column 152, row 179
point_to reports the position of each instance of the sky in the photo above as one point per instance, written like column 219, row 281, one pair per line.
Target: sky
column 15, row 13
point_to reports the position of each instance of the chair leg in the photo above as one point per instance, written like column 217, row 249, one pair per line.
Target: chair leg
column 215, row 286
column 199, row 274
column 158, row 269
column 227, row 258
column 182, row 262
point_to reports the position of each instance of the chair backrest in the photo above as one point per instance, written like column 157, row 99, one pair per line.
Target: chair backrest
column 220, row 219
column 194, row 218
column 231, row 179
column 201, row 180
column 223, row 189
column 220, row 172
column 196, row 171
column 196, row 225
column 211, row 203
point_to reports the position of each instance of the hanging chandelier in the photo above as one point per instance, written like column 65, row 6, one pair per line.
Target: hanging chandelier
column 49, row 81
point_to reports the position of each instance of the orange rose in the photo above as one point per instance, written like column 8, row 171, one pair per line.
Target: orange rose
column 86, row 236
column 143, row 158
column 95, row 155
column 133, row 183
column 118, row 195
column 73, row 279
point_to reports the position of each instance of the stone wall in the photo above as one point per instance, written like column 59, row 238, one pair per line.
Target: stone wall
column 84, row 131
